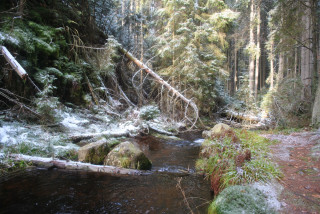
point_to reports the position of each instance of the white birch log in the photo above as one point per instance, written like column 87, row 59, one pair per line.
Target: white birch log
column 13, row 62
column 73, row 165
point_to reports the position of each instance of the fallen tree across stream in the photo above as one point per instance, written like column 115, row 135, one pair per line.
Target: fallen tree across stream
column 174, row 91
column 51, row 163
column 121, row 133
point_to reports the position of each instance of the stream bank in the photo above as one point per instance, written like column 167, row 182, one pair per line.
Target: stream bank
column 60, row 191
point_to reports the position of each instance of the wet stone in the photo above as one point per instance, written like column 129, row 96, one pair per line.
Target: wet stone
column 128, row 155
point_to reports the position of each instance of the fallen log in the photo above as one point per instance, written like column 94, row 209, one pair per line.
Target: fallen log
column 155, row 128
column 142, row 66
column 77, row 138
column 13, row 62
column 50, row 163
column 242, row 116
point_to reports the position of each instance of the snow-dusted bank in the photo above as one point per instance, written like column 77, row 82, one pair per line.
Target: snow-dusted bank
column 63, row 139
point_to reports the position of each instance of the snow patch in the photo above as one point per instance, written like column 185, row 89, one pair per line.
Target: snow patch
column 271, row 190
column 72, row 122
column 199, row 141
column 7, row 135
column 1, row 36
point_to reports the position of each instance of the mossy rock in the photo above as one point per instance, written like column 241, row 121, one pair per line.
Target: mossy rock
column 127, row 155
column 240, row 199
column 95, row 152
column 221, row 130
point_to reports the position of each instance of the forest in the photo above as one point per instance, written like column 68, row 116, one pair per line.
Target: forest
column 132, row 88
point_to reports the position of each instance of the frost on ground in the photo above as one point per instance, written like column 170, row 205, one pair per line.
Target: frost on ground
column 46, row 141
column 20, row 137
column 272, row 190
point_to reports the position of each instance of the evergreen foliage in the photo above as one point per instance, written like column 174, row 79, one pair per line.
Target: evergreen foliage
column 191, row 47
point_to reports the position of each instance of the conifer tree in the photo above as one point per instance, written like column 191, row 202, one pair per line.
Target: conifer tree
column 192, row 44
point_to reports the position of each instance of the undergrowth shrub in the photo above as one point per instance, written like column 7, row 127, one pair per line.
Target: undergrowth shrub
column 287, row 105
column 234, row 163
column 149, row 112
column 30, row 149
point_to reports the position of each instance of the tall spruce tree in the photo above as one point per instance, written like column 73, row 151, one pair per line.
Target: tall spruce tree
column 191, row 46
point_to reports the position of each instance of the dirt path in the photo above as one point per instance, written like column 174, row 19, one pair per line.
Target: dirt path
column 298, row 156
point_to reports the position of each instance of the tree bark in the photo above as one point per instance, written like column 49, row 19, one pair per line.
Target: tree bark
column 280, row 68
column 258, row 54
column 271, row 65
column 315, row 48
column 306, row 54
column 251, row 43
column 235, row 68
column 316, row 108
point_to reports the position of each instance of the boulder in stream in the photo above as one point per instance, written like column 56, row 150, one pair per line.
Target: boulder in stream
column 221, row 130
column 127, row 155
column 95, row 152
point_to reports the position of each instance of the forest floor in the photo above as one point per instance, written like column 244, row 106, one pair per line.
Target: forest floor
column 298, row 156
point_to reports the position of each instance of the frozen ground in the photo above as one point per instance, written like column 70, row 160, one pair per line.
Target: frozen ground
column 46, row 141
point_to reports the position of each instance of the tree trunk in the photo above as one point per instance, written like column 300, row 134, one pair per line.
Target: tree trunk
column 280, row 68
column 315, row 48
column 258, row 54
column 141, row 54
column 251, row 44
column 14, row 64
column 235, row 68
column 271, row 65
column 73, row 165
column 316, row 108
column 22, row 6
column 314, row 33
column 306, row 55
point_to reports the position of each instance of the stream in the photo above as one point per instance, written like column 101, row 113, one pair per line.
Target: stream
column 58, row 191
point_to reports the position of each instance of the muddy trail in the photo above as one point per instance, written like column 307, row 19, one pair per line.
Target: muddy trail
column 298, row 156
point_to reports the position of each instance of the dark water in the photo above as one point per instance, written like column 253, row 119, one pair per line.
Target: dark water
column 58, row 191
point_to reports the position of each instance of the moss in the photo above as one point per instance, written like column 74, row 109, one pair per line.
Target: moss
column 69, row 155
column 97, row 155
column 240, row 199
column 125, row 162
column 127, row 155
column 142, row 162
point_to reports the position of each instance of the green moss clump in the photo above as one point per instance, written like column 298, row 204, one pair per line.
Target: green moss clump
column 127, row 155
column 97, row 154
column 125, row 162
column 142, row 162
column 240, row 199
